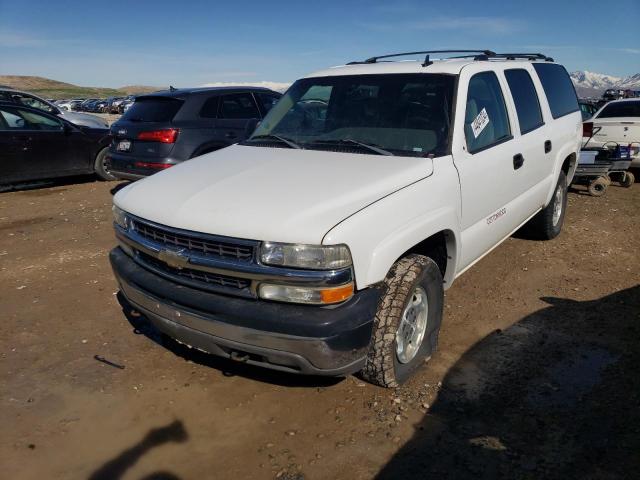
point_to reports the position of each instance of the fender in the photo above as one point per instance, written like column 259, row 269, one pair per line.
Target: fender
column 207, row 148
column 382, row 232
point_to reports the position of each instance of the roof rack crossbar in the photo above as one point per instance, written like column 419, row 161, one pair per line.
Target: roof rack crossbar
column 472, row 53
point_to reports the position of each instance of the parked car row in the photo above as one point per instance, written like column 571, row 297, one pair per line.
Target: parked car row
column 97, row 105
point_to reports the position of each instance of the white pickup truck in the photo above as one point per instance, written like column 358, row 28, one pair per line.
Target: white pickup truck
column 323, row 243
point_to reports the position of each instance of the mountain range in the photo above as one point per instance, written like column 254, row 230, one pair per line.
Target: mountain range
column 590, row 84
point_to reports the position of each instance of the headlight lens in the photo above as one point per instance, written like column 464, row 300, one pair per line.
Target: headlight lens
column 120, row 217
column 310, row 295
column 313, row 257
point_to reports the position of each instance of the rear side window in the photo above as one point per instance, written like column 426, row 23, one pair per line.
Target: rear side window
column 486, row 122
column 622, row 109
column 558, row 88
column 526, row 99
column 238, row 106
column 210, row 107
column 153, row 109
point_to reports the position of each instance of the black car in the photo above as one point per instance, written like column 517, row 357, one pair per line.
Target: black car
column 35, row 145
column 168, row 127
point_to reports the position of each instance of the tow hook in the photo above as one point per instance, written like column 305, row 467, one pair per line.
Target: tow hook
column 239, row 357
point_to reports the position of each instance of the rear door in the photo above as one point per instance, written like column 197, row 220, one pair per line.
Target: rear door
column 35, row 145
column 531, row 134
column 234, row 113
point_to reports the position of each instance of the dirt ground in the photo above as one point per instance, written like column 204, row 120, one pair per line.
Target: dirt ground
column 536, row 374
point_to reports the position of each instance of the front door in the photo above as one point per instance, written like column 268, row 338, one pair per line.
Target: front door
column 487, row 161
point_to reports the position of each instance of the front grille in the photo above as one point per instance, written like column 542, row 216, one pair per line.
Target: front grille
column 197, row 244
column 198, row 276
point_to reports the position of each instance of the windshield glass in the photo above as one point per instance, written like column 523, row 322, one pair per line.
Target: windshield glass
column 397, row 114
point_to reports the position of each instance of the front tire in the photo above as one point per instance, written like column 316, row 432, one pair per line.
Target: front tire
column 547, row 224
column 100, row 166
column 407, row 323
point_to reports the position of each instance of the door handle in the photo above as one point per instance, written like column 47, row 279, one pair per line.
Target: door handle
column 230, row 135
column 547, row 146
column 518, row 161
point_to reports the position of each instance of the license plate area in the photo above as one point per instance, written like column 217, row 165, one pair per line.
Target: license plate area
column 124, row 146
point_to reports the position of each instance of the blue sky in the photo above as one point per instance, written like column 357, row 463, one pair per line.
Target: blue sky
column 183, row 42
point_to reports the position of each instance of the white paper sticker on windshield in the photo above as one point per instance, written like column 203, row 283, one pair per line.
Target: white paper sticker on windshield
column 479, row 123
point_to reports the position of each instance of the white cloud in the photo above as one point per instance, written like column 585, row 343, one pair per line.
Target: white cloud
column 277, row 86
column 15, row 39
column 476, row 24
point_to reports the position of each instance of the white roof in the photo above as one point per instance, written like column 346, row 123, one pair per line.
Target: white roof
column 450, row 66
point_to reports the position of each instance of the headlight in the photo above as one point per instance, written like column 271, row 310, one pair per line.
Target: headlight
column 313, row 257
column 120, row 217
column 310, row 295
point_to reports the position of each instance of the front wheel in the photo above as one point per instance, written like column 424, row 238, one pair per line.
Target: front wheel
column 547, row 224
column 407, row 323
column 100, row 167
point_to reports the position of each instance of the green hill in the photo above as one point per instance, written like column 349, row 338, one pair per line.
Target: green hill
column 47, row 88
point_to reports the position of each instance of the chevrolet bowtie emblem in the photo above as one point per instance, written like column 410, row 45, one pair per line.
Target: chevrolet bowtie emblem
column 174, row 258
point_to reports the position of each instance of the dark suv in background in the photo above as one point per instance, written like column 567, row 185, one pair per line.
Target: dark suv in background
column 164, row 128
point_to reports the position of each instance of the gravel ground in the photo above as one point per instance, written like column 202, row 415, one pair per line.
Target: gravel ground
column 535, row 377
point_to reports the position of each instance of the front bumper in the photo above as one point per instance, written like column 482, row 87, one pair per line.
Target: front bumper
column 320, row 340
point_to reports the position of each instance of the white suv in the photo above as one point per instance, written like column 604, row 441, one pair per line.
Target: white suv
column 323, row 243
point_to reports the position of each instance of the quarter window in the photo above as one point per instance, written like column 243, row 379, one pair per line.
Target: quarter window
column 486, row 121
column 558, row 88
column 525, row 98
column 238, row 106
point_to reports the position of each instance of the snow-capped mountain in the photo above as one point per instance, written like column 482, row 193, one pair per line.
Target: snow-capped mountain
column 590, row 84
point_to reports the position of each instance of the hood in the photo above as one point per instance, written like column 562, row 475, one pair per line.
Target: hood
column 275, row 194
column 85, row 119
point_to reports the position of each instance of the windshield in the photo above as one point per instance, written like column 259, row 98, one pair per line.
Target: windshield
column 396, row 114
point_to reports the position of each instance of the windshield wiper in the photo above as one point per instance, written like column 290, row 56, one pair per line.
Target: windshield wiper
column 373, row 148
column 291, row 143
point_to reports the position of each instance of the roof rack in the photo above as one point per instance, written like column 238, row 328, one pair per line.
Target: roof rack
column 476, row 54
column 472, row 53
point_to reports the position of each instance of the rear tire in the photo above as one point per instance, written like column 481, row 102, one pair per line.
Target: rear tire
column 100, row 166
column 598, row 187
column 547, row 224
column 407, row 323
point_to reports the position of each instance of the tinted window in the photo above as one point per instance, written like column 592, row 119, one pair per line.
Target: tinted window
column 558, row 88
column 526, row 99
column 405, row 114
column 267, row 100
column 210, row 108
column 486, row 122
column 622, row 109
column 32, row 102
column 25, row 120
column 238, row 106
column 10, row 120
column 153, row 109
